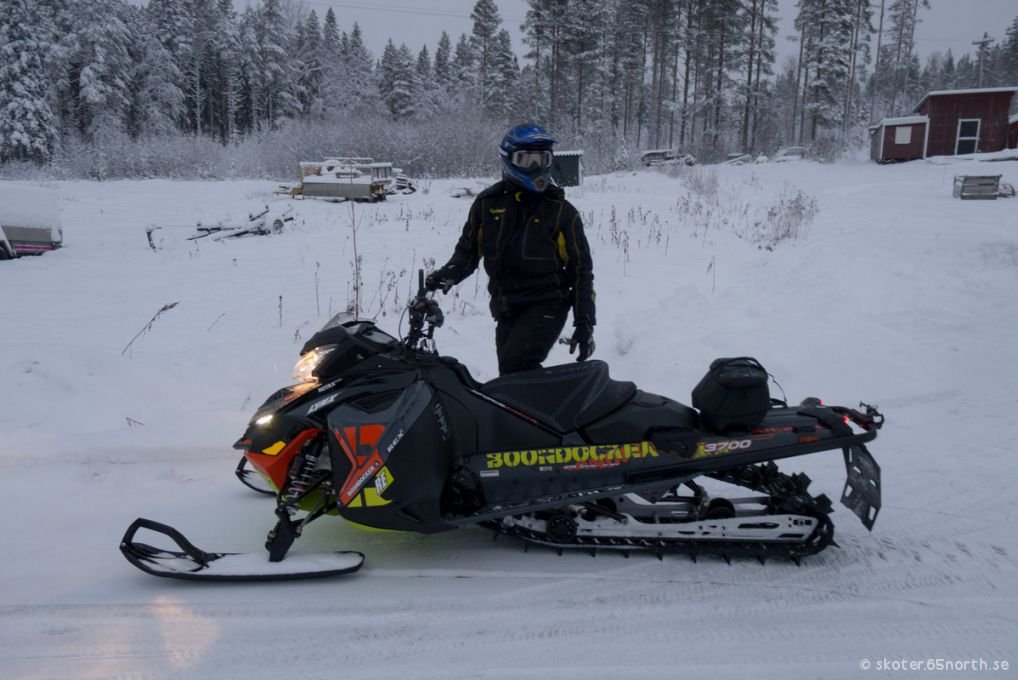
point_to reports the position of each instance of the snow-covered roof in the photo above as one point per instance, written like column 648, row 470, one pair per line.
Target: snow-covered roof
column 1013, row 118
column 901, row 120
column 26, row 206
column 333, row 179
column 572, row 152
column 969, row 90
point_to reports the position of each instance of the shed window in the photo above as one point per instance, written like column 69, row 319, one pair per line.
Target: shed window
column 968, row 128
column 903, row 134
column 968, row 136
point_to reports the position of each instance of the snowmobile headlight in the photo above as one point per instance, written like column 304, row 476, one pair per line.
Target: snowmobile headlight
column 305, row 368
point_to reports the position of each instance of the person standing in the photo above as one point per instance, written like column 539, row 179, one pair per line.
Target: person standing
column 535, row 254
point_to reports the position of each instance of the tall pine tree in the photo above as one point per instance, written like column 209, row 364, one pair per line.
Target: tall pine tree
column 486, row 24
column 27, row 124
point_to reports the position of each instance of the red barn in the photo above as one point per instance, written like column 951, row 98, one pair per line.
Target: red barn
column 956, row 122
column 1012, row 132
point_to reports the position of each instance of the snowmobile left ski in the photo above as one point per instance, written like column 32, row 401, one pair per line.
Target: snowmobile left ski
column 388, row 433
column 194, row 564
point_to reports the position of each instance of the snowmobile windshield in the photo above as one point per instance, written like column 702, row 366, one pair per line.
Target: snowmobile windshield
column 361, row 328
column 341, row 319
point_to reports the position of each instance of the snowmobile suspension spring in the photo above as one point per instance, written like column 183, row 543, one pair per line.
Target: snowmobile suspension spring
column 301, row 481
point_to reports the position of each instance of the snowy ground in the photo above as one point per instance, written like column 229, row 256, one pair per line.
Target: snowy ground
column 895, row 293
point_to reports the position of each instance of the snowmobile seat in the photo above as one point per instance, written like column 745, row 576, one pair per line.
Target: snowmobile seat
column 566, row 397
column 461, row 371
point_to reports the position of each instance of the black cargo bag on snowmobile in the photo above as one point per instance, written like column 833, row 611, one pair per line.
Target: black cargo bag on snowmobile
column 733, row 395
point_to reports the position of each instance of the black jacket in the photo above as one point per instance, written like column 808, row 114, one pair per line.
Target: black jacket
column 534, row 251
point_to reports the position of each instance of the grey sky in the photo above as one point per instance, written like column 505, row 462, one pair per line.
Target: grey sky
column 413, row 22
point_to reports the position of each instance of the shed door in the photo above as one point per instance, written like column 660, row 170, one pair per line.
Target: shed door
column 968, row 136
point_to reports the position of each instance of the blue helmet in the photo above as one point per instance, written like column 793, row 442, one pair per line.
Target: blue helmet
column 527, row 157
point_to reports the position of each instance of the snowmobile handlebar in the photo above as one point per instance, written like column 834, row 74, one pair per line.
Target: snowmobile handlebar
column 425, row 316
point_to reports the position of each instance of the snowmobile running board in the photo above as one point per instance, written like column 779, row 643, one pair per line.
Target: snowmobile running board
column 194, row 564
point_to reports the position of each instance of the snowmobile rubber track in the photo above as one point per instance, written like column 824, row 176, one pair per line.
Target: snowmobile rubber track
column 787, row 494
column 822, row 536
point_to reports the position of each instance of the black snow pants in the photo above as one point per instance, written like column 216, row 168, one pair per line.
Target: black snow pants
column 523, row 341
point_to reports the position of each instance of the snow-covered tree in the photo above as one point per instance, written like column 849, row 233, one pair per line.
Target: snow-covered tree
column 99, row 62
column 1009, row 61
column 172, row 24
column 330, row 32
column 224, row 73
column 499, row 89
column 157, row 102
column 827, row 29
column 27, row 125
column 361, row 86
column 899, row 72
column 308, row 53
column 463, row 75
column 486, row 24
column 397, row 81
column 585, row 73
column 429, row 95
column 538, row 35
column 332, row 58
column 630, row 58
column 443, row 63
column 276, row 68
column 758, row 61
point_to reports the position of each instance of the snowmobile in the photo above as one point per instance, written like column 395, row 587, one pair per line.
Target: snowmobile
column 388, row 433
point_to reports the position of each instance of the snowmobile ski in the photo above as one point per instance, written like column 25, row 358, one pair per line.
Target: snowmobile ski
column 194, row 564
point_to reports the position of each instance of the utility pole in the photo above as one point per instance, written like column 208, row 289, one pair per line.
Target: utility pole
column 982, row 51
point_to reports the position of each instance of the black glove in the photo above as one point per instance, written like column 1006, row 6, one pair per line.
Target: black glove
column 583, row 336
column 437, row 280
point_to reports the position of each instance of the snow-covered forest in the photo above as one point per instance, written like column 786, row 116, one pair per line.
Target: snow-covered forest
column 201, row 88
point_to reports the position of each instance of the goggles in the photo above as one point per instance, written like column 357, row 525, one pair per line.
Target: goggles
column 531, row 159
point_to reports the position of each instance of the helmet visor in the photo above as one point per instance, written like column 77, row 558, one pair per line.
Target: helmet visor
column 529, row 160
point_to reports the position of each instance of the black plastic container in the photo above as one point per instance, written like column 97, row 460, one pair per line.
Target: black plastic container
column 733, row 396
